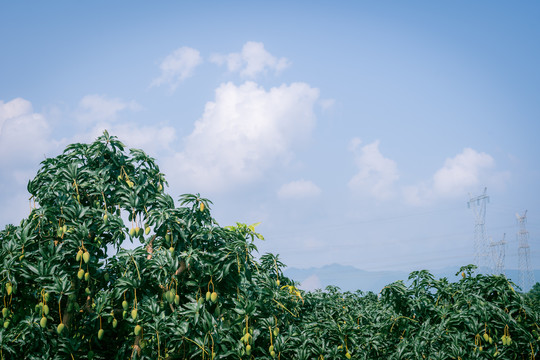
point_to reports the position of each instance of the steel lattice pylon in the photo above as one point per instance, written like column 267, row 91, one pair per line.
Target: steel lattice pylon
column 498, row 254
column 478, row 205
column 526, row 276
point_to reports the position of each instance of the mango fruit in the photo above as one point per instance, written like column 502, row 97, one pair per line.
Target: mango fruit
column 169, row 296
column 60, row 328
column 137, row 330
column 43, row 322
column 214, row 297
column 100, row 334
column 86, row 257
column 134, row 314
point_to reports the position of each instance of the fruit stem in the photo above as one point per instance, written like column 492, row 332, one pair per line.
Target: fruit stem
column 136, row 267
column 60, row 309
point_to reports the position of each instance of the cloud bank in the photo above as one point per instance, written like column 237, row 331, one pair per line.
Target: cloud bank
column 96, row 108
column 178, row 66
column 299, row 189
column 376, row 174
column 251, row 61
column 465, row 172
column 23, row 134
column 244, row 132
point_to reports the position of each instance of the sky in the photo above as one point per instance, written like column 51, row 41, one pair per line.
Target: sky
column 355, row 132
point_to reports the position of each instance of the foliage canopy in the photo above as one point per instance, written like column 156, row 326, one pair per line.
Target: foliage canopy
column 193, row 289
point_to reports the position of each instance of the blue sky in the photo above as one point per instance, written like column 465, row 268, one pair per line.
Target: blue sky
column 354, row 132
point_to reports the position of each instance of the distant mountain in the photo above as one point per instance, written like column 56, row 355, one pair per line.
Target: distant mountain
column 350, row 278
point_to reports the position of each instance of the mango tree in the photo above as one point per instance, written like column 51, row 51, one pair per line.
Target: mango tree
column 186, row 288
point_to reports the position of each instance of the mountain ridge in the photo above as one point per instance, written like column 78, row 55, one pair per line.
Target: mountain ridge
column 351, row 278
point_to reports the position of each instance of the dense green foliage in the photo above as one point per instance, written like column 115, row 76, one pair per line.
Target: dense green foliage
column 193, row 289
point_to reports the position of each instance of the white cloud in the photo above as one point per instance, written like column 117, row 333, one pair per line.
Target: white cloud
column 311, row 283
column 96, row 108
column 251, row 61
column 327, row 103
column 151, row 139
column 244, row 132
column 178, row 66
column 461, row 172
column 376, row 174
column 465, row 172
column 23, row 134
column 13, row 109
column 299, row 189
column 98, row 113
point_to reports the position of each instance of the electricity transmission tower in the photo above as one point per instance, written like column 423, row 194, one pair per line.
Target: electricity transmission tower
column 478, row 205
column 526, row 276
column 498, row 252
